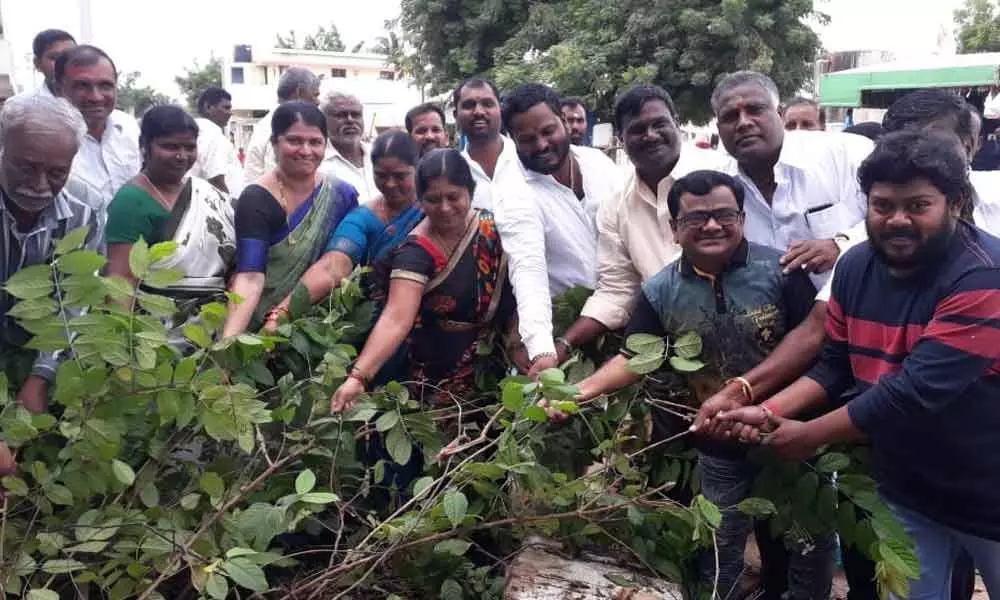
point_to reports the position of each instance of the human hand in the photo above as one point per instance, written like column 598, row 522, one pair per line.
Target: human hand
column 519, row 356
column 552, row 412
column 791, row 440
column 746, row 424
column 707, row 422
column 815, row 256
column 34, row 394
column 8, row 464
column 542, row 362
column 346, row 395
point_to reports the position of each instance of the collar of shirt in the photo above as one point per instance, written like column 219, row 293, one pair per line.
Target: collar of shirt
column 59, row 210
column 508, row 153
column 739, row 259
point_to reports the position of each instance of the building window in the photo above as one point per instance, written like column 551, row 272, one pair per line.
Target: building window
column 242, row 54
column 387, row 75
column 339, row 73
column 236, row 74
column 264, row 75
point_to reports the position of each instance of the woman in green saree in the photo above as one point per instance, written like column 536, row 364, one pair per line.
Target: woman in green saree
column 284, row 220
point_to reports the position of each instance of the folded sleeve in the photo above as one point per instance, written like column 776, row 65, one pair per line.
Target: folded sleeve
column 618, row 280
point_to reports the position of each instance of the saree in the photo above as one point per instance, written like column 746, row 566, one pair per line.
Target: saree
column 466, row 299
column 364, row 238
column 288, row 259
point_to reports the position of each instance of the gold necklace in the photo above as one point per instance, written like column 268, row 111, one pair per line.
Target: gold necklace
column 168, row 206
column 283, row 203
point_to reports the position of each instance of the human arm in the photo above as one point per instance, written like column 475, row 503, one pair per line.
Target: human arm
column 118, row 262
column 319, row 279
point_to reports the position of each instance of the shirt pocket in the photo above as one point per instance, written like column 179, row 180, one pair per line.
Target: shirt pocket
column 826, row 222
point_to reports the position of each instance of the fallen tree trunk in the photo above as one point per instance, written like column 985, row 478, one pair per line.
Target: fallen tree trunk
column 539, row 573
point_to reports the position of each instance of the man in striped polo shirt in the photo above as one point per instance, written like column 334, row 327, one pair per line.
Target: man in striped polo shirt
column 914, row 322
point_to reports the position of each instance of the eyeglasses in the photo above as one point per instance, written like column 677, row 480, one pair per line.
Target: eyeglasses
column 699, row 218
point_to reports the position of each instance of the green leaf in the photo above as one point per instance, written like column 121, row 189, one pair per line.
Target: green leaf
column 138, row 259
column 216, row 586
column 72, row 240
column 212, row 484
column 688, row 346
column 804, row 495
column 59, row 494
column 831, row 462
column 453, row 546
column 513, row 396
column 708, row 511
column 185, row 370
column 644, row 364
column 246, row 574
column 42, row 595
column 826, row 506
column 900, row 557
column 31, row 310
column 249, row 340
column 684, row 365
column 150, row 496
column 305, row 482
column 319, row 498
column 190, row 501
column 62, row 566
column 14, row 486
column 163, row 278
column 451, row 590
column 31, row 283
column 399, row 446
column 552, row 377
column 88, row 547
column 123, row 472
column 158, row 306
column 421, row 485
column 162, row 250
column 234, row 552
column 82, row 262
column 536, row 414
column 387, row 421
column 455, row 507
column 644, row 343
column 118, row 288
column 757, row 507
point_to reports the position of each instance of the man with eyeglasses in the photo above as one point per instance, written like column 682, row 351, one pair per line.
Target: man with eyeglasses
column 737, row 297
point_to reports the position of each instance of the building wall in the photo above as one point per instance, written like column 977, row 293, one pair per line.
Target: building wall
column 7, row 88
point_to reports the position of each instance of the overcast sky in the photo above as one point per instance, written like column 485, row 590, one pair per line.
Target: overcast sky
column 160, row 38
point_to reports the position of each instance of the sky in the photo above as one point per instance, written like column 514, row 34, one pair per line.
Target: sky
column 160, row 38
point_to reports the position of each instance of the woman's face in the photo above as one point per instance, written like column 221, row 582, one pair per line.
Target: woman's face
column 394, row 178
column 446, row 205
column 299, row 150
column 170, row 157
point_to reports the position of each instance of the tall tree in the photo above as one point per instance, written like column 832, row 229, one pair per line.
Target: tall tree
column 289, row 41
column 594, row 48
column 134, row 98
column 977, row 27
column 196, row 78
column 324, row 39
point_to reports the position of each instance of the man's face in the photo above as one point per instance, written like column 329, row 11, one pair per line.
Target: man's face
column 749, row 124
column 909, row 223
column 220, row 113
column 651, row 138
column 576, row 122
column 46, row 63
column 35, row 164
column 345, row 120
column 92, row 89
column 541, row 140
column 429, row 132
column 310, row 94
column 802, row 116
column 708, row 227
column 478, row 112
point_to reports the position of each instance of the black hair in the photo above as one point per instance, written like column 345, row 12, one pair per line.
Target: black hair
column 870, row 129
column 473, row 82
column 902, row 156
column 165, row 119
column 630, row 102
column 396, row 144
column 44, row 40
column 701, row 183
column 572, row 103
column 525, row 97
column 211, row 96
column 290, row 113
column 81, row 56
column 448, row 163
column 422, row 109
column 800, row 101
column 923, row 107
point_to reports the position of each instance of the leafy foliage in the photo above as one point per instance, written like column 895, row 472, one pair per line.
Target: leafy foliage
column 198, row 77
column 977, row 27
column 592, row 49
column 325, row 39
column 134, row 98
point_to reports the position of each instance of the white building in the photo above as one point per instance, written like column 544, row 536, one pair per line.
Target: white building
column 7, row 87
column 251, row 75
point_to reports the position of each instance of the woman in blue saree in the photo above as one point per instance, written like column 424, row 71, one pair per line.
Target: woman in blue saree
column 369, row 231
column 284, row 219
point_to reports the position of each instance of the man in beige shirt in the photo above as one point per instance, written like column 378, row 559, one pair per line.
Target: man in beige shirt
column 634, row 238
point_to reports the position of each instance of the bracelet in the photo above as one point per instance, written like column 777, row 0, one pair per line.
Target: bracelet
column 545, row 355
column 565, row 342
column 356, row 374
column 769, row 406
column 745, row 386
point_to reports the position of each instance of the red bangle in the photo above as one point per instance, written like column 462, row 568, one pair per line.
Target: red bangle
column 356, row 374
column 770, row 406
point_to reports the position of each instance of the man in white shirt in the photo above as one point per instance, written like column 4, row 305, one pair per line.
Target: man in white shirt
column 217, row 160
column 575, row 114
column 347, row 157
column 802, row 189
column 425, row 124
column 477, row 115
column 295, row 84
column 803, row 114
column 546, row 214
column 47, row 46
column 109, row 153
column 634, row 235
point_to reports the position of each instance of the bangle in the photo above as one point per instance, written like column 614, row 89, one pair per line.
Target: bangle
column 545, row 355
column 356, row 374
column 565, row 342
column 769, row 408
column 745, row 386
